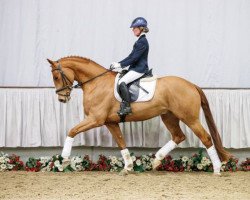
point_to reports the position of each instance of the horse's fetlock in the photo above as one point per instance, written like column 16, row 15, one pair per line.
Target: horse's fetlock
column 207, row 141
column 73, row 132
column 179, row 138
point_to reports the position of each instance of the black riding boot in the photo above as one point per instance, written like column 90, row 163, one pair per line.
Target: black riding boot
column 125, row 108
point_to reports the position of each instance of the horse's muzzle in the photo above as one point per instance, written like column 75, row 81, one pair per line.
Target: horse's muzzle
column 63, row 99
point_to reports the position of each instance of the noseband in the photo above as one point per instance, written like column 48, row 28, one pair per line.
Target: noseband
column 66, row 81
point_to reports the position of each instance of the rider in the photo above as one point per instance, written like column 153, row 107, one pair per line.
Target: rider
column 137, row 60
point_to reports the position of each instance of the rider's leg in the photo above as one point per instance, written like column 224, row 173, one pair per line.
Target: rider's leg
column 124, row 92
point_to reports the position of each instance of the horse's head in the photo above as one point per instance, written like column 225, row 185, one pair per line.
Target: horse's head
column 63, row 78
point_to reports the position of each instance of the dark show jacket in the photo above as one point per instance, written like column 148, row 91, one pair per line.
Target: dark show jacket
column 138, row 58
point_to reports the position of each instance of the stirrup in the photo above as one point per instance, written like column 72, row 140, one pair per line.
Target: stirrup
column 125, row 111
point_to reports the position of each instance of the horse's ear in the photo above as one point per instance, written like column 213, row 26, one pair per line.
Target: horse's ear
column 51, row 62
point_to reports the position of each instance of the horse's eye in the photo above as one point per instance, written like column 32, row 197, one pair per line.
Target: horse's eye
column 56, row 78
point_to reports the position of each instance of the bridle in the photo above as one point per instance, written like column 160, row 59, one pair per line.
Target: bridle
column 70, row 86
column 65, row 81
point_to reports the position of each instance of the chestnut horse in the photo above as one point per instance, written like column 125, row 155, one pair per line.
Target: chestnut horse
column 175, row 100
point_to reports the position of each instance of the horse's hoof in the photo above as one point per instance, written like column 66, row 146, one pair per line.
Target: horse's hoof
column 129, row 167
column 217, row 174
column 124, row 172
column 65, row 162
column 155, row 164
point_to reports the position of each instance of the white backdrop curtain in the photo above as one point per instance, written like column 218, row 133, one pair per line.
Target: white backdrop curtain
column 206, row 42
column 34, row 117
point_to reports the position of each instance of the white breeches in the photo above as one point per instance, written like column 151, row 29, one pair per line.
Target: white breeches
column 130, row 76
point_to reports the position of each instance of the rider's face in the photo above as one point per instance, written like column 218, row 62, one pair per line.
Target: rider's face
column 136, row 31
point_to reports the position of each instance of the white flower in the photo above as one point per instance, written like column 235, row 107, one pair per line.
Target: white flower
column 144, row 157
column 199, row 166
column 150, row 154
column 204, row 164
column 190, row 162
column 44, row 160
column 184, row 158
column 148, row 167
column 45, row 169
column 60, row 168
column 138, row 162
column 113, row 160
column 120, row 159
column 133, row 158
column 2, row 160
column 204, row 158
column 208, row 162
column 151, row 160
column 79, row 159
column 9, row 166
column 57, row 163
column 119, row 163
column 3, row 166
column 205, row 161
column 79, row 168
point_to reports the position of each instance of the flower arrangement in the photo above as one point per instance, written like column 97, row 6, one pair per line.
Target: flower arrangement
column 81, row 164
column 197, row 162
column 8, row 163
column 245, row 165
column 116, row 164
column 33, row 165
column 170, row 164
column 103, row 164
column 231, row 165
column 54, row 164
column 142, row 163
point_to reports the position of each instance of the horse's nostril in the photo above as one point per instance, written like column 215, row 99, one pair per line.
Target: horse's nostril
column 61, row 100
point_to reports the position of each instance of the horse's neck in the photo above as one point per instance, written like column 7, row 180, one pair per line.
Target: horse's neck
column 86, row 70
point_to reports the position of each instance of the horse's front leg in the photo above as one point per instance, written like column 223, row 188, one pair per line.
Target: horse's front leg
column 88, row 123
column 117, row 134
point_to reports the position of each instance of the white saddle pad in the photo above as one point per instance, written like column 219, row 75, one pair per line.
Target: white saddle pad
column 146, row 83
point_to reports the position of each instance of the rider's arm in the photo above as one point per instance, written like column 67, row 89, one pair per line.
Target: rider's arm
column 135, row 55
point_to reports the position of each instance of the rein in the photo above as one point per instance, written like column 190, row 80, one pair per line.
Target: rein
column 66, row 80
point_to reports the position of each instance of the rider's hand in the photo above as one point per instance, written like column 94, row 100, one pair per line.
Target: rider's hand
column 115, row 65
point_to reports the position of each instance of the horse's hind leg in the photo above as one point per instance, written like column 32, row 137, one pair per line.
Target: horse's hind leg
column 202, row 134
column 117, row 134
column 172, row 123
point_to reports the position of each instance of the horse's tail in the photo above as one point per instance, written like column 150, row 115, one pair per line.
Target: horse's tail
column 223, row 154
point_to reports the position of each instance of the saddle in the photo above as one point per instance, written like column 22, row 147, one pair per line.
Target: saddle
column 140, row 90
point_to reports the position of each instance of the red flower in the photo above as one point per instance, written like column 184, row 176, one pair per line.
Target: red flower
column 51, row 165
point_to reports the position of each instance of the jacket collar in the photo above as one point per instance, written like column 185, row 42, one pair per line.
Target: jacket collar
column 141, row 36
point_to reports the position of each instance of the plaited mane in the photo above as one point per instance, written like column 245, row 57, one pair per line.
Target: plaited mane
column 76, row 58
